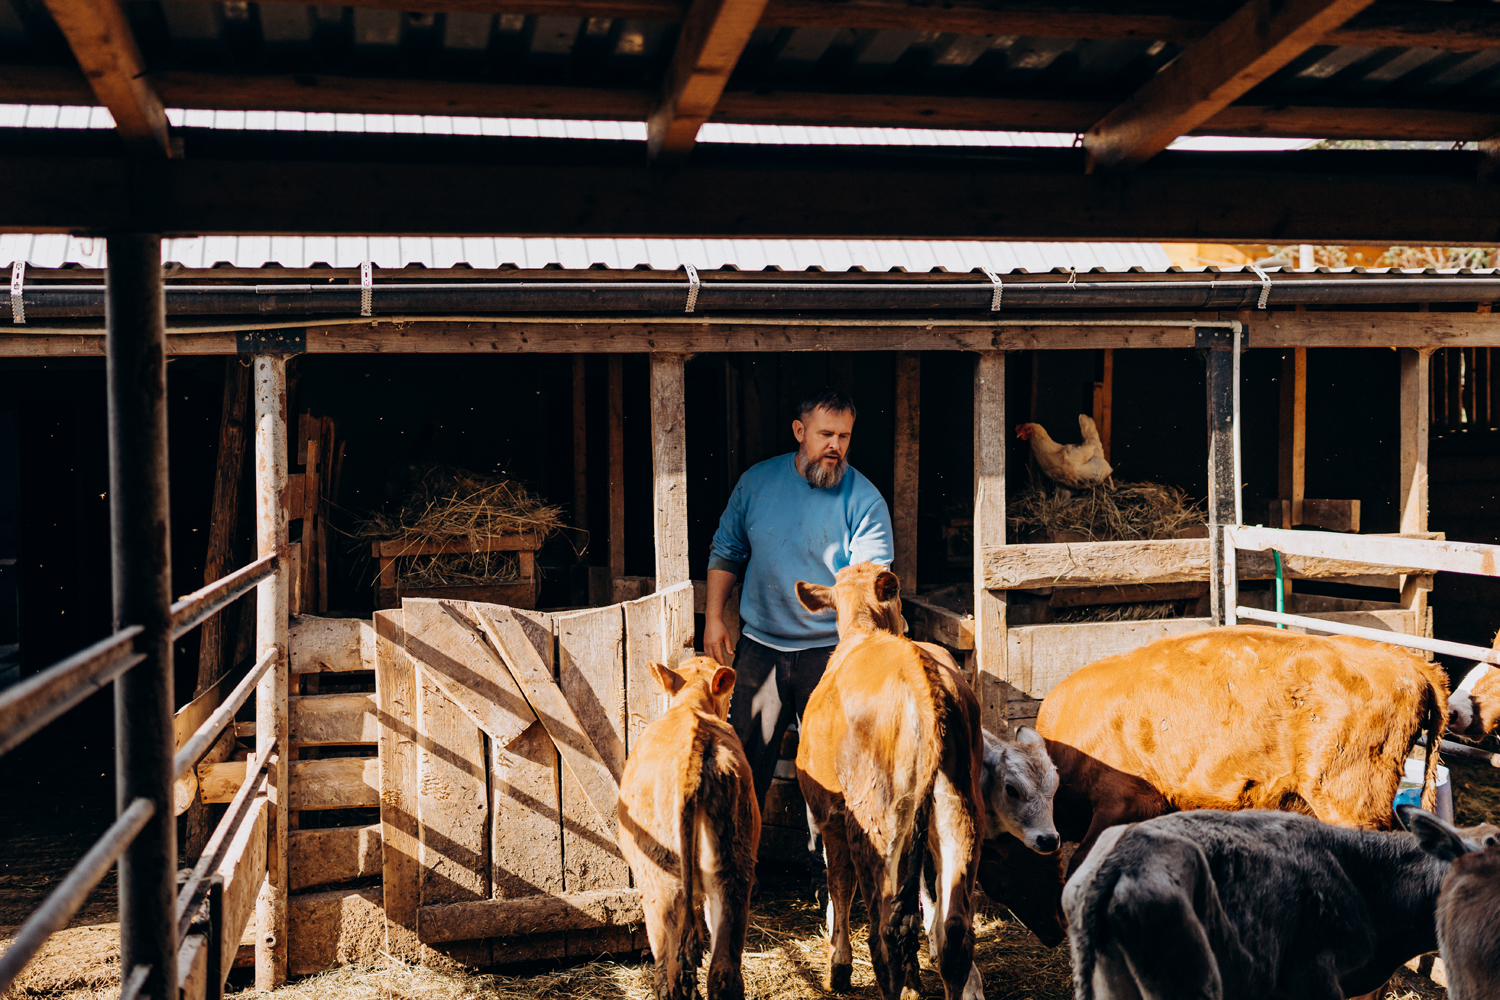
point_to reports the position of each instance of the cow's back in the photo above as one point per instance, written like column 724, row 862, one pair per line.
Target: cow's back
column 1245, row 718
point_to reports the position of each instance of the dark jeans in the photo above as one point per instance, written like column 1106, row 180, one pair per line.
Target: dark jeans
column 771, row 689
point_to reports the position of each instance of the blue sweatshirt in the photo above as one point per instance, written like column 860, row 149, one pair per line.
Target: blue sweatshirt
column 787, row 530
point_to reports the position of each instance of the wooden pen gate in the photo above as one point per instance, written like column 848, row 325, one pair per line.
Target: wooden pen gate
column 503, row 734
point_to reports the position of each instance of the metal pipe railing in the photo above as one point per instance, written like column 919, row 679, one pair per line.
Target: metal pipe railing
column 198, row 607
column 1440, row 646
column 55, row 912
column 38, row 700
column 198, row 744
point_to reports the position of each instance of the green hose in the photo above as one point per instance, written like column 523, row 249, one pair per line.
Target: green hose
column 1280, row 587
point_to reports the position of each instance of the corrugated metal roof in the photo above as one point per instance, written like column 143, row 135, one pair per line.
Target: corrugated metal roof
column 535, row 253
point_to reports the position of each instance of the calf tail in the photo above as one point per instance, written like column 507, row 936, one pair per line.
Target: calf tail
column 906, row 910
column 1437, row 724
column 681, row 971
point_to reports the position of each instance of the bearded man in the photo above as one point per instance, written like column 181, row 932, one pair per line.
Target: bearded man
column 804, row 515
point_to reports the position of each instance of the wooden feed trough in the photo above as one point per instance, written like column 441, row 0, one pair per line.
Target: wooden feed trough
column 522, row 593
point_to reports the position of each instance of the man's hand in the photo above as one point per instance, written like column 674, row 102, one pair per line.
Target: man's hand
column 715, row 635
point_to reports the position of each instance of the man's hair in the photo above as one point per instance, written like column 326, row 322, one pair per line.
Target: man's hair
column 826, row 398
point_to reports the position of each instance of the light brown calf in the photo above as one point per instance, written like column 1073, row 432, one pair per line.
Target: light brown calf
column 1474, row 706
column 889, row 762
column 689, row 828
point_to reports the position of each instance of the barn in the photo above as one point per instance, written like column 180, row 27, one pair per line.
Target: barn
column 268, row 260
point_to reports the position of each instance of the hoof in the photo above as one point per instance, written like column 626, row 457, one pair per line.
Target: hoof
column 912, row 991
column 839, row 978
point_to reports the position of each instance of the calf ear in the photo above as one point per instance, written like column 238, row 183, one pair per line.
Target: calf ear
column 887, row 586
column 722, row 682
column 1436, row 837
column 1026, row 736
column 670, row 680
column 814, row 596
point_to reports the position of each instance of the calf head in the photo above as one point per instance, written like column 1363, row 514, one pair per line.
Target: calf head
column 1442, row 839
column 866, row 596
column 698, row 680
column 1018, row 783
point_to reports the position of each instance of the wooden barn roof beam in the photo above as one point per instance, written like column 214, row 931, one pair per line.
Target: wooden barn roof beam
column 285, row 182
column 1212, row 73
column 713, row 35
column 1400, row 23
column 305, row 92
column 105, row 48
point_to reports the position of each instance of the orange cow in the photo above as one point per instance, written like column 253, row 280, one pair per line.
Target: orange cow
column 689, row 828
column 1240, row 718
column 1474, row 706
column 889, row 762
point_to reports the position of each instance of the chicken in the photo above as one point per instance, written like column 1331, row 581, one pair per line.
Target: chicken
column 1075, row 465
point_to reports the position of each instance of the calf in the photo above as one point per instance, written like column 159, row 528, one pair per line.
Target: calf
column 689, row 828
column 889, row 763
column 1247, row 905
column 1468, row 908
column 1240, row 718
column 1474, row 706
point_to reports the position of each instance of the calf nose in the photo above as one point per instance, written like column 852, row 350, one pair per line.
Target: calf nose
column 1046, row 843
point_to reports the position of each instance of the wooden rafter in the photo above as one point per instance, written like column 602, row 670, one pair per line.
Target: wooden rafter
column 713, row 35
column 1256, row 41
column 105, row 48
column 307, row 92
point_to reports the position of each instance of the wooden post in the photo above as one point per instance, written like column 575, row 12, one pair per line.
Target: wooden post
column 1104, row 401
column 991, row 680
column 1222, row 359
column 908, row 440
column 1292, row 451
column 616, row 468
column 669, row 469
column 271, row 632
column 1415, row 390
column 135, row 316
column 580, row 443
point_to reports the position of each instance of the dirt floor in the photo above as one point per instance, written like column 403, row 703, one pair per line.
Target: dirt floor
column 785, row 953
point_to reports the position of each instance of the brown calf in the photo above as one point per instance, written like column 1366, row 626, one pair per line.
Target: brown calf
column 689, row 828
column 889, row 762
column 1239, row 718
column 1474, row 706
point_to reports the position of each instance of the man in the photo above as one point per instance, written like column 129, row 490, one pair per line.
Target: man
column 800, row 516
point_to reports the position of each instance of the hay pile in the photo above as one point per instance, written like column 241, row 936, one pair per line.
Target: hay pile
column 446, row 504
column 1123, row 512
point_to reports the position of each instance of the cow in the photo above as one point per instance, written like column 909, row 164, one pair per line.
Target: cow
column 1474, row 706
column 1240, row 718
column 889, row 763
column 690, row 829
column 1468, row 917
column 1250, row 904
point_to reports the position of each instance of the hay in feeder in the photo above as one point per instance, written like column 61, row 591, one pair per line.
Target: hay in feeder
column 1123, row 512
column 1131, row 612
column 448, row 505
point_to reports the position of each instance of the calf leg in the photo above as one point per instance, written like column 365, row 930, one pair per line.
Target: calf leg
column 887, row 953
column 665, row 926
column 840, row 898
column 727, row 908
column 953, row 838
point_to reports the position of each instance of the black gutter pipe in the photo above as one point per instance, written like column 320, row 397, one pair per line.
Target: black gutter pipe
column 81, row 301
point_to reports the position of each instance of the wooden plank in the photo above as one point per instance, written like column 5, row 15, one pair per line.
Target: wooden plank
column 325, row 719
column 1414, row 409
column 616, row 466
column 452, row 805
column 531, row 915
column 521, row 594
column 1073, row 597
column 1331, row 515
column 509, row 636
column 243, row 869
column 195, row 713
column 498, row 543
column 99, row 34
column 527, row 832
column 330, row 783
column 331, row 645
column 591, row 676
column 991, row 432
column 337, row 927
column 1250, row 45
column 713, row 34
column 644, row 642
column 224, row 518
column 930, row 623
column 1430, row 555
column 669, row 467
column 1043, row 656
column 908, row 433
column 396, row 693
column 331, row 855
column 447, row 642
column 1292, row 445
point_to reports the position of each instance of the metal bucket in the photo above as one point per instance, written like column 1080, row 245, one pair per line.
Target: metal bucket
column 1409, row 792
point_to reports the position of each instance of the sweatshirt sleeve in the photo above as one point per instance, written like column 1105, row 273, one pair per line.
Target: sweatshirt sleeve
column 731, row 545
column 872, row 537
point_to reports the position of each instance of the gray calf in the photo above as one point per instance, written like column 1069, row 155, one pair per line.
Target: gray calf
column 1468, row 909
column 1229, row 905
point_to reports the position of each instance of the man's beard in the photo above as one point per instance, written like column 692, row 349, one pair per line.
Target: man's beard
column 824, row 478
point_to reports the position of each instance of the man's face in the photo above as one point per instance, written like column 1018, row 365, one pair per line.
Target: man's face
column 824, row 446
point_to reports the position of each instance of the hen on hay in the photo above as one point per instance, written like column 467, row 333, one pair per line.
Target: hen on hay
column 446, row 504
column 1103, row 513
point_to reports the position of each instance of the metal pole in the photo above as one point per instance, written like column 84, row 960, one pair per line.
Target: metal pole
column 271, row 625
column 141, row 570
column 1221, row 354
